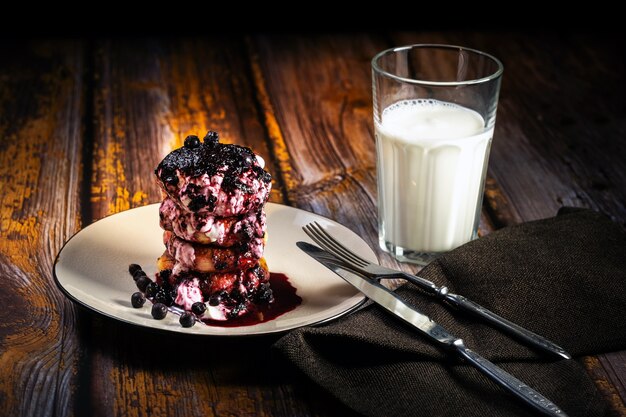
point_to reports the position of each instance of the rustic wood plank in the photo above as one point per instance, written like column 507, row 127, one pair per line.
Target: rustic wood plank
column 41, row 92
column 319, row 90
column 325, row 133
column 320, row 94
column 149, row 96
column 615, row 365
column 608, row 372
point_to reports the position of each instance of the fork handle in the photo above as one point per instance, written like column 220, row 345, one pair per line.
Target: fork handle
column 468, row 305
column 503, row 324
column 423, row 283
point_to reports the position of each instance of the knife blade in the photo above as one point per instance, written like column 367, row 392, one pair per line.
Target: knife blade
column 392, row 303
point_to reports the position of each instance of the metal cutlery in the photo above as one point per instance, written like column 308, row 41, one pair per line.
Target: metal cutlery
column 391, row 302
column 355, row 263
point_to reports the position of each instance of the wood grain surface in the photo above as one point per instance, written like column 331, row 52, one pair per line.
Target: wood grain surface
column 84, row 123
column 41, row 115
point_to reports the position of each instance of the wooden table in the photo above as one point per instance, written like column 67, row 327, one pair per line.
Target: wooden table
column 83, row 124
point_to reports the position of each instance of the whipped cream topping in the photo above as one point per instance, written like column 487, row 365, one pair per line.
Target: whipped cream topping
column 208, row 229
column 218, row 312
column 188, row 292
column 205, row 194
column 221, row 312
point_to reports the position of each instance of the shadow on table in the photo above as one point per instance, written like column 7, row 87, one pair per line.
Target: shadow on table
column 217, row 364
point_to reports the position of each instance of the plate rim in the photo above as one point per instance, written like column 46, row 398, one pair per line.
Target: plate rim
column 93, row 309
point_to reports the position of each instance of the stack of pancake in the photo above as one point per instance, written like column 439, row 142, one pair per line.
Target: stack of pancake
column 214, row 229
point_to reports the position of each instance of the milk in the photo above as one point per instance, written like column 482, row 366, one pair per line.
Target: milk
column 432, row 160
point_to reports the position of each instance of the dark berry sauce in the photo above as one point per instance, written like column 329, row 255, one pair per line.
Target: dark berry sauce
column 284, row 296
column 285, row 299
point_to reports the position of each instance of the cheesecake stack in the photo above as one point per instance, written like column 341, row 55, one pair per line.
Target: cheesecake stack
column 214, row 226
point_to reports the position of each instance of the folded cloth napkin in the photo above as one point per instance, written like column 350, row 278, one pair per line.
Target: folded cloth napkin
column 563, row 278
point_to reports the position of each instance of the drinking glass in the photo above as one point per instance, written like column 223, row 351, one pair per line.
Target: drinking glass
column 434, row 116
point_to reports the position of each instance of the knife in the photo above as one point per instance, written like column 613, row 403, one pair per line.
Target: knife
column 391, row 302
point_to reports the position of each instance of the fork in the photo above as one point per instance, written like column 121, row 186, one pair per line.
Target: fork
column 356, row 263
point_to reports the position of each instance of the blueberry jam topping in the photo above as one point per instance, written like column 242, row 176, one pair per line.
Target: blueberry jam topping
column 211, row 157
column 165, row 275
column 265, row 294
column 199, row 201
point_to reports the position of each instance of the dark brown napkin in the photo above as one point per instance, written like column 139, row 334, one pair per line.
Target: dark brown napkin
column 563, row 278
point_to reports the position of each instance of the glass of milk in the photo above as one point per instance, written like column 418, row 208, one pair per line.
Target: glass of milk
column 434, row 116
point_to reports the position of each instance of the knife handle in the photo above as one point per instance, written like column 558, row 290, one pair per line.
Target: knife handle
column 510, row 327
column 509, row 382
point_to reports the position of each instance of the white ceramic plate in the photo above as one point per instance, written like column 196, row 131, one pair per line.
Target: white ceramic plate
column 92, row 269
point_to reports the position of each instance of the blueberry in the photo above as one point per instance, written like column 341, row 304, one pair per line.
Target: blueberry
column 132, row 268
column 198, row 202
column 152, row 289
column 187, row 319
column 139, row 273
column 142, row 282
column 137, row 299
column 165, row 275
column 159, row 311
column 267, row 296
column 163, row 296
column 220, row 265
column 168, row 176
column 211, row 137
column 192, row 141
column 198, row 308
column 237, row 309
column 215, row 300
column 172, row 179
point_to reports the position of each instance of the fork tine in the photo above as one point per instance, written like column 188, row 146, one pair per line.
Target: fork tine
column 333, row 245
column 328, row 242
column 314, row 234
column 327, row 245
column 319, row 238
column 339, row 247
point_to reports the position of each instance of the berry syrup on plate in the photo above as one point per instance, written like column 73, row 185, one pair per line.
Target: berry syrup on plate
column 285, row 299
